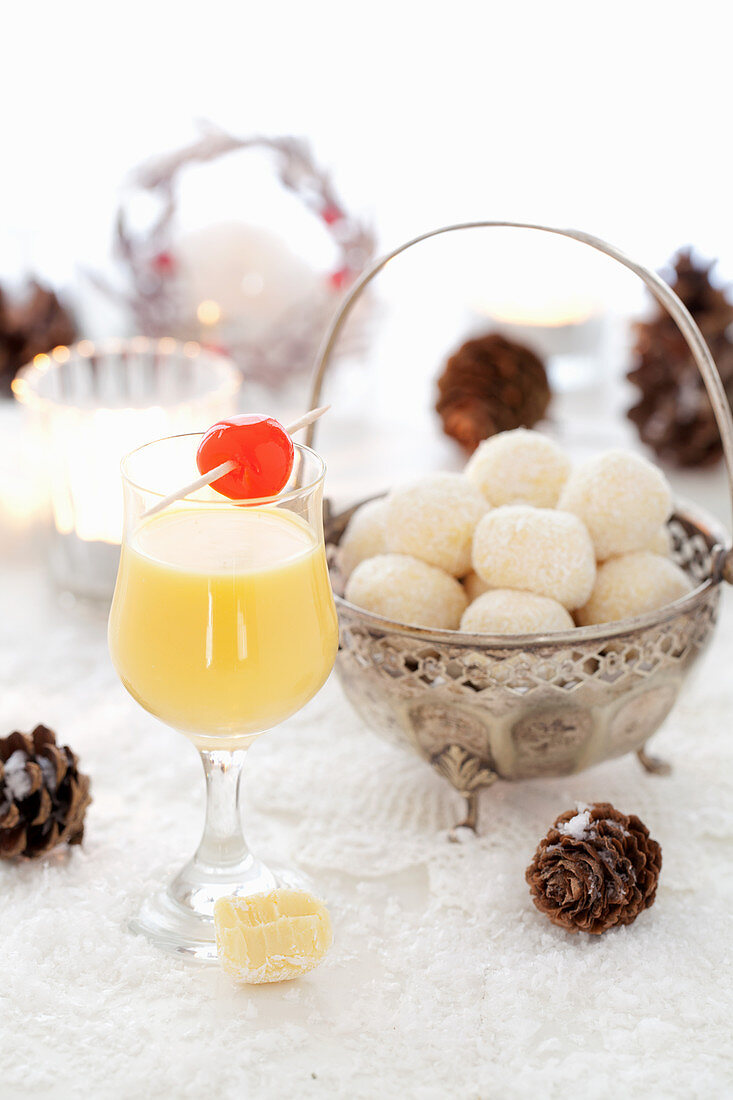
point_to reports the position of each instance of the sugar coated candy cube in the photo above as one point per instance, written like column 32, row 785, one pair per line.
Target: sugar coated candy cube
column 271, row 937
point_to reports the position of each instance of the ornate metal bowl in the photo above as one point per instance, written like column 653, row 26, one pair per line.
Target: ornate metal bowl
column 481, row 708
column 478, row 708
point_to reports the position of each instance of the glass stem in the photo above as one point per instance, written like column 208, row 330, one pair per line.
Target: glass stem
column 223, row 845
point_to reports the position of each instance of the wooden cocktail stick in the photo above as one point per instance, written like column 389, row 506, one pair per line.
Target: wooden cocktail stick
column 225, row 467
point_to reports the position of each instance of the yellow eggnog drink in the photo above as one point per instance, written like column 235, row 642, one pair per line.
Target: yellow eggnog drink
column 223, row 622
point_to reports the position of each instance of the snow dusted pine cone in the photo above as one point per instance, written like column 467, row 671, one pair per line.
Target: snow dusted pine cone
column 673, row 412
column 43, row 795
column 595, row 869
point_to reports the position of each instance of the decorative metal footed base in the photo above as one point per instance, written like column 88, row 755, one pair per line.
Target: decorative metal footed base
column 653, row 764
column 468, row 774
column 470, row 821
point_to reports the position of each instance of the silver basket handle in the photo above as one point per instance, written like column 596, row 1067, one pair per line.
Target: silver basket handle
column 661, row 291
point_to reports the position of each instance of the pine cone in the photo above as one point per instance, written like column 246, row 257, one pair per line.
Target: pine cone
column 29, row 327
column 674, row 415
column 43, row 795
column 595, row 869
column 490, row 385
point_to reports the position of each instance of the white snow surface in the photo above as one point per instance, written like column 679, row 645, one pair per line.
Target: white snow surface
column 443, row 981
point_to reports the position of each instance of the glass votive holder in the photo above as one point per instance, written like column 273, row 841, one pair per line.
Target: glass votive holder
column 92, row 403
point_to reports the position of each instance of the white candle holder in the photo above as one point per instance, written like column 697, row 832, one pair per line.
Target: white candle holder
column 91, row 404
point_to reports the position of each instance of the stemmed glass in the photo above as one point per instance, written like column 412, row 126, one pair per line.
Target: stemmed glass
column 222, row 625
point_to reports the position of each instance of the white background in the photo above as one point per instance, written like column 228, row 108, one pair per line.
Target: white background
column 611, row 117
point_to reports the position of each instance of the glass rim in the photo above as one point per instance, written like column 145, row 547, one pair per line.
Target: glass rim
column 225, row 502
column 26, row 385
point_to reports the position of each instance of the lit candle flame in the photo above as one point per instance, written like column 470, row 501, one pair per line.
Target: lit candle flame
column 208, row 312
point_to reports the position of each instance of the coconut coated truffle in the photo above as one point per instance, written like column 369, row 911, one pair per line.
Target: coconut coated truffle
column 503, row 611
column 632, row 584
column 621, row 498
column 407, row 590
column 660, row 543
column 364, row 537
column 536, row 550
column 519, row 467
column 434, row 519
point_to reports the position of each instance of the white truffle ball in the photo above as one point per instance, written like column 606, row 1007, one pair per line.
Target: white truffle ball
column 364, row 537
column 407, row 590
column 536, row 550
column 621, row 498
column 632, row 584
column 660, row 542
column 503, row 611
column 474, row 586
column 519, row 467
column 434, row 519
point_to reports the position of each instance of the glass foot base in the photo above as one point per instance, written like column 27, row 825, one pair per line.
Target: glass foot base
column 180, row 917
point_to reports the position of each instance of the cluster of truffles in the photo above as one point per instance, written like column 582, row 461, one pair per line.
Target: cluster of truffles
column 519, row 543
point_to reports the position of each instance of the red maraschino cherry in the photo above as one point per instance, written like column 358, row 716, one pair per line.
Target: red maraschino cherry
column 260, row 446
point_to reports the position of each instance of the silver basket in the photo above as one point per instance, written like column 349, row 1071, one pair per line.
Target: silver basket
column 478, row 707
